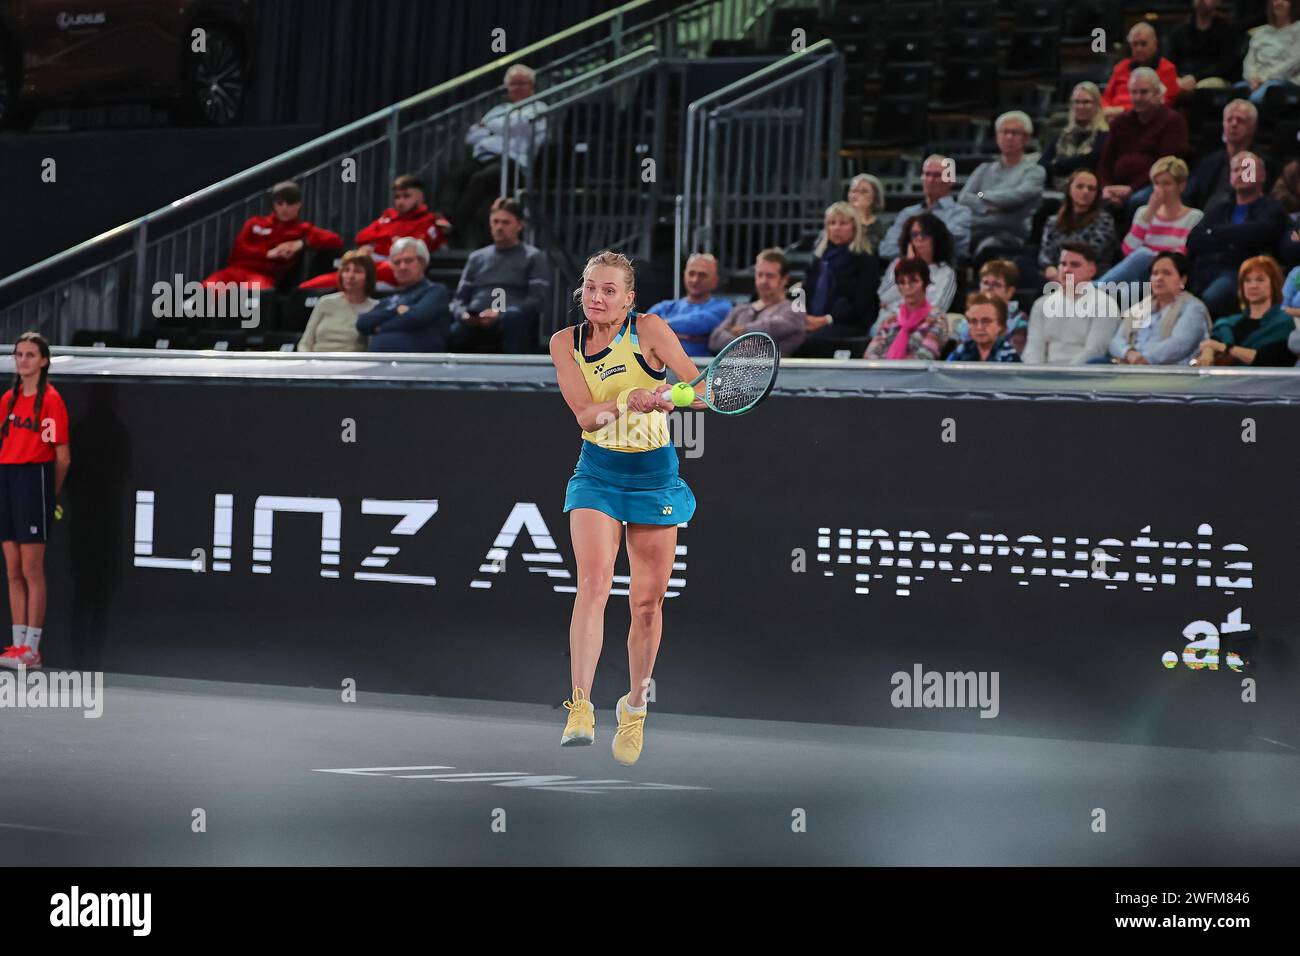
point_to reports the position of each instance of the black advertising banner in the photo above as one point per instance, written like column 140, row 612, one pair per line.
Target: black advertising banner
column 1114, row 571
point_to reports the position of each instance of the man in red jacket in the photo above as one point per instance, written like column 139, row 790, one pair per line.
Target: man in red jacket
column 409, row 216
column 267, row 246
column 1142, row 44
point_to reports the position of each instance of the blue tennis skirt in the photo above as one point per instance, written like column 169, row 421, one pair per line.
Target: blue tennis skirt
column 639, row 487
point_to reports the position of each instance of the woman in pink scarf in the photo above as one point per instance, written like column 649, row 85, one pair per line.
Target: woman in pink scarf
column 917, row 330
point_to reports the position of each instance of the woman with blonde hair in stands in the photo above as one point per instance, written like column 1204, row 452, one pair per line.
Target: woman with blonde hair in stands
column 1258, row 334
column 1079, row 145
column 1162, row 225
column 867, row 196
column 840, row 285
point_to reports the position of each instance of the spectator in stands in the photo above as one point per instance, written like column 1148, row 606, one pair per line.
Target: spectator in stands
column 1073, row 323
column 1273, row 58
column 1291, row 295
column 333, row 323
column 267, row 247
column 867, row 196
column 986, row 318
column 502, row 289
column 916, row 329
column 415, row 318
column 479, row 183
column 1293, row 345
column 1167, row 327
column 998, row 277
column 1003, row 194
column 1162, row 225
column 1258, row 334
column 1204, row 49
column 1139, row 137
column 1079, row 145
column 1287, row 188
column 694, row 316
column 1081, row 218
column 408, row 216
column 1232, row 232
column 840, row 286
column 938, row 175
column 1287, row 192
column 927, row 239
column 1209, row 182
column 1142, row 43
column 770, row 312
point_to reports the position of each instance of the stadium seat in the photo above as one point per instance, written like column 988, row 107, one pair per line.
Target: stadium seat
column 906, row 79
column 857, row 18
column 915, row 48
column 968, row 84
column 969, row 15
column 902, row 121
column 166, row 337
column 98, row 338
column 961, row 43
column 221, row 340
column 1031, row 53
column 1205, row 122
column 1082, row 17
column 1040, row 15
column 1280, row 103
column 296, row 310
column 911, row 17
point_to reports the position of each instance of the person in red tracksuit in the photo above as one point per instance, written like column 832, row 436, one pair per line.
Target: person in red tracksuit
column 268, row 246
column 409, row 216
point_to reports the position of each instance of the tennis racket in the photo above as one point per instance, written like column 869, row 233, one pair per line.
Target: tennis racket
column 740, row 376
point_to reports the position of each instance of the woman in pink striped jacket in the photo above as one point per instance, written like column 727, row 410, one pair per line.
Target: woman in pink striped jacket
column 1160, row 226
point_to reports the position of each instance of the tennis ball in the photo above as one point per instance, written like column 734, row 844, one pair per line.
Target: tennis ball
column 683, row 394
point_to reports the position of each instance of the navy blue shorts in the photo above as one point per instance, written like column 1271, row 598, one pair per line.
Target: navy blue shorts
column 26, row 502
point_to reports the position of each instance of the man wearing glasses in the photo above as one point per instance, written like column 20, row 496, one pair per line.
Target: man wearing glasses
column 938, row 176
column 1004, row 193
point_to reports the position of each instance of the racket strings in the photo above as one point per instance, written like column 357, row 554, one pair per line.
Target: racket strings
column 743, row 374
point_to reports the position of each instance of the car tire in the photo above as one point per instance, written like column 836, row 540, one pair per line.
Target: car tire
column 216, row 79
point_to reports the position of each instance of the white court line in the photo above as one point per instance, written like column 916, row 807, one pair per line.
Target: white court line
column 25, row 826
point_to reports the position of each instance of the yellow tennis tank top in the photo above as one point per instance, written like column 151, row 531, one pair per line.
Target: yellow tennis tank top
column 610, row 371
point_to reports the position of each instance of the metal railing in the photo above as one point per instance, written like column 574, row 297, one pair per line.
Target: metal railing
column 593, row 182
column 761, row 158
column 345, row 174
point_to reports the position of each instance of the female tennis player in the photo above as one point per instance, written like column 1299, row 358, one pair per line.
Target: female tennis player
column 612, row 371
column 34, row 460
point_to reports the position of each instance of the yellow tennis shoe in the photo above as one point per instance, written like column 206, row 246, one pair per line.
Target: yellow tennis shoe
column 630, row 734
column 580, row 731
